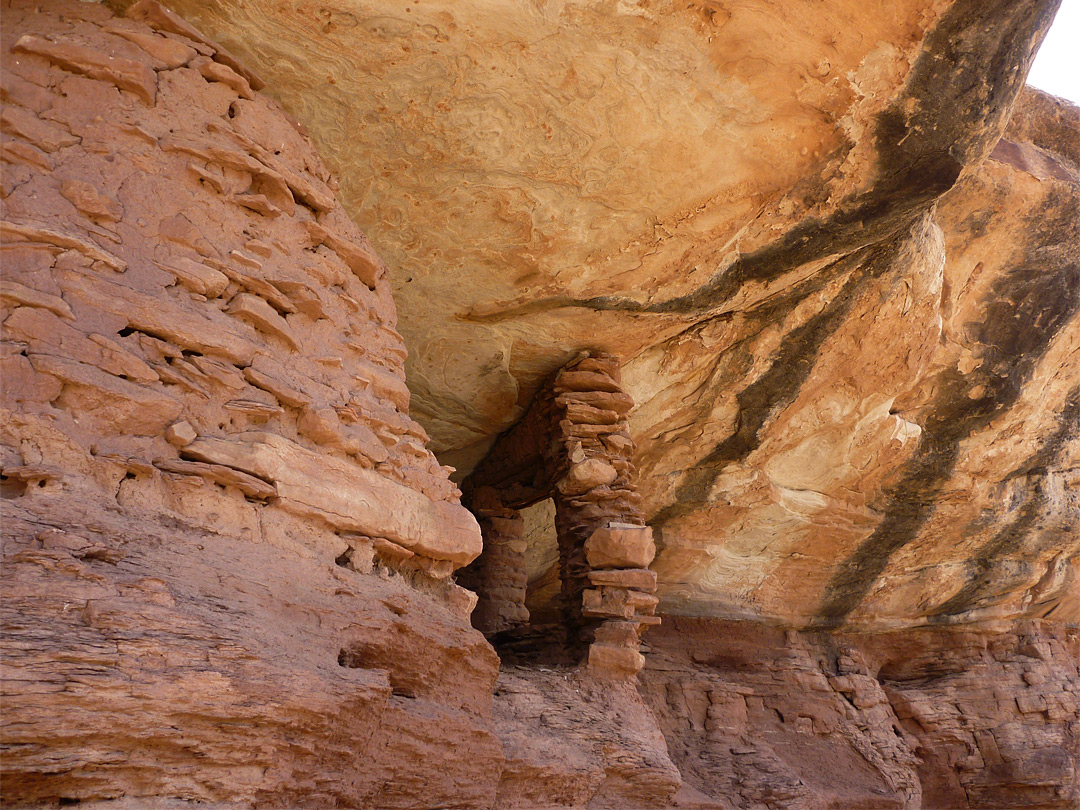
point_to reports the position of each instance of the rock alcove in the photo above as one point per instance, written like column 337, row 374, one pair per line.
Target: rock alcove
column 842, row 288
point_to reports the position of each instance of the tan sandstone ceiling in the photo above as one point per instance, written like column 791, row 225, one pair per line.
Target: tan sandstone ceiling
column 737, row 199
column 510, row 157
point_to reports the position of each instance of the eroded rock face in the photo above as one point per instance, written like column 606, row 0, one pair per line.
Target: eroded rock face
column 917, row 461
column 983, row 717
column 148, row 658
column 181, row 289
column 852, row 406
column 570, row 741
column 226, row 547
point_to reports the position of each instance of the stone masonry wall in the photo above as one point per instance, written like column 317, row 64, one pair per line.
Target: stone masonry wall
column 574, row 445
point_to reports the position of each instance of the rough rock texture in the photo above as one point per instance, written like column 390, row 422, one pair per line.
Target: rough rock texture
column 847, row 314
column 207, row 455
column 571, row 742
column 984, row 717
column 852, row 406
column 146, row 657
column 155, row 317
column 226, row 549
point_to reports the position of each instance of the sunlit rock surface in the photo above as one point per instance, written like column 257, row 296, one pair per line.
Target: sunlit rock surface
column 856, row 397
column 846, row 309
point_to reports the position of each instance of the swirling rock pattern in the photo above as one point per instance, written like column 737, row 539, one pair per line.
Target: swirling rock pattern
column 846, row 311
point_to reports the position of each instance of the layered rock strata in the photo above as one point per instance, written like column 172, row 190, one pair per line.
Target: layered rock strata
column 498, row 576
column 236, row 330
column 226, row 547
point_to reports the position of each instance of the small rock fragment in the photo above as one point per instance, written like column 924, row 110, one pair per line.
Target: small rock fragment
column 589, row 474
column 181, row 434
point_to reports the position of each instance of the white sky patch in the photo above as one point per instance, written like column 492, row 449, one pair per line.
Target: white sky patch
column 1057, row 65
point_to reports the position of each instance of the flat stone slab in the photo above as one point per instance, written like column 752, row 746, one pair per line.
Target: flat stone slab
column 348, row 496
column 640, row 579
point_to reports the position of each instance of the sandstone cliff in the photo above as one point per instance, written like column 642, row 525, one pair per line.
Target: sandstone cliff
column 851, row 390
column 834, row 245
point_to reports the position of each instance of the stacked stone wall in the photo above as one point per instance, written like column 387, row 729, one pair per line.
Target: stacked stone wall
column 574, row 446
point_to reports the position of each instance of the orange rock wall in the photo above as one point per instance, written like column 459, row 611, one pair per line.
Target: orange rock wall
column 226, row 548
column 980, row 717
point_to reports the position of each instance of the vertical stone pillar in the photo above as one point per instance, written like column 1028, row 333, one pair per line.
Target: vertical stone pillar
column 622, row 596
column 498, row 576
column 598, row 517
column 574, row 446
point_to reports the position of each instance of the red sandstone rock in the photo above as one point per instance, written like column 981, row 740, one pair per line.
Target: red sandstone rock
column 165, row 21
column 637, row 578
column 606, row 661
column 807, row 265
column 192, row 631
column 908, row 719
column 169, row 52
column 126, row 74
column 158, row 599
column 589, row 474
column 620, row 547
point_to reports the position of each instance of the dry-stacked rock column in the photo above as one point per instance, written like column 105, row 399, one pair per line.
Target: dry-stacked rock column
column 499, row 576
column 597, row 514
column 574, row 446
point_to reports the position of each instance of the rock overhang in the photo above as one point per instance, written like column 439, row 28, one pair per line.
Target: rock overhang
column 737, row 201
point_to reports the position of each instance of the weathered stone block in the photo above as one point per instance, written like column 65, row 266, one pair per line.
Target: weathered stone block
column 348, row 496
column 620, row 547
column 641, row 579
column 619, row 662
column 114, row 403
column 180, row 434
column 126, row 74
column 589, row 474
